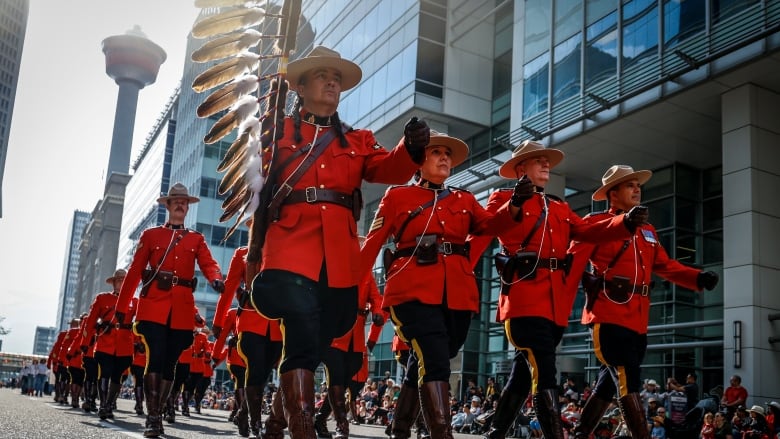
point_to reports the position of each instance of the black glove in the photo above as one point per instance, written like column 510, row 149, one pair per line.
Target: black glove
column 84, row 349
column 417, row 134
column 637, row 216
column 119, row 316
column 377, row 319
column 218, row 285
column 707, row 280
column 524, row 189
column 370, row 345
column 216, row 330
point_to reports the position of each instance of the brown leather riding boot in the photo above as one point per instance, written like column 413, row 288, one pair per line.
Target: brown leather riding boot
column 275, row 422
column 152, row 382
column 634, row 415
column 435, row 403
column 242, row 417
column 407, row 409
column 594, row 409
column 508, row 406
column 321, row 420
column 298, row 401
column 548, row 413
column 338, row 402
column 75, row 394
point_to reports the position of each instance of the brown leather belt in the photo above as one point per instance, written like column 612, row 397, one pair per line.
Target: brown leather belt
column 445, row 248
column 314, row 195
column 176, row 280
column 553, row 264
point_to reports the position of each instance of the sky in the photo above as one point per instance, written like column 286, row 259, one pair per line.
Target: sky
column 60, row 140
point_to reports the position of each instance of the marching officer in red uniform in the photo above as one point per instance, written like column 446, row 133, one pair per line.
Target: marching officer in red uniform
column 535, row 302
column 165, row 261
column 259, row 344
column 55, row 365
column 344, row 358
column 431, row 291
column 235, row 364
column 137, row 369
column 618, row 306
column 200, row 346
column 311, row 256
column 114, row 343
column 74, row 361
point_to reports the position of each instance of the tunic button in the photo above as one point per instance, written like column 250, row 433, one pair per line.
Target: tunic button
column 352, row 152
column 323, row 207
column 293, row 147
column 439, row 208
column 322, row 186
column 464, row 210
column 322, row 166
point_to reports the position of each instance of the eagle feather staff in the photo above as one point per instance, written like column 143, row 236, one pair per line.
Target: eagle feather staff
column 247, row 163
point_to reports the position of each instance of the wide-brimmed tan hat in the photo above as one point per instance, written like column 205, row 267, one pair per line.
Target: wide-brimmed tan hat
column 120, row 272
column 458, row 148
column 322, row 56
column 618, row 174
column 526, row 150
column 178, row 190
column 757, row 409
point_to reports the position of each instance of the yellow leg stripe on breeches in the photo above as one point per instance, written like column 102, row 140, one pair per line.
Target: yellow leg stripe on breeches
column 529, row 355
column 284, row 345
column 618, row 372
column 146, row 346
column 243, row 357
column 413, row 343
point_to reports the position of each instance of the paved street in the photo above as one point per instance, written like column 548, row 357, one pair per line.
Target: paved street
column 22, row 417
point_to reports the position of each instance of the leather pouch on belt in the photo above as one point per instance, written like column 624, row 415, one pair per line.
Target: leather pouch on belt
column 619, row 288
column 526, row 265
column 164, row 280
column 500, row 259
column 427, row 250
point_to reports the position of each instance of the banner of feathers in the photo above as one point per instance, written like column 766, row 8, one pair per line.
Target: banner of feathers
column 234, row 38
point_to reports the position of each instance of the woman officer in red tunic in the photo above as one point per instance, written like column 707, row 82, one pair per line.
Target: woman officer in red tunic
column 431, row 291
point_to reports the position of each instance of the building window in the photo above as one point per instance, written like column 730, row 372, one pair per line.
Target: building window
column 601, row 50
column 535, row 85
column 682, row 20
column 566, row 69
column 640, row 32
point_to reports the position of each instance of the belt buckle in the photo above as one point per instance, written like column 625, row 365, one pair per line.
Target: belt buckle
column 645, row 290
column 175, row 280
column 553, row 264
column 311, row 194
column 446, row 247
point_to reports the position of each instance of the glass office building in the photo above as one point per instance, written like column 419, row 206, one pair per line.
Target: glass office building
column 688, row 89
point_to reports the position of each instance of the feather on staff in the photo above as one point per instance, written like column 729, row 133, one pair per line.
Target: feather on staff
column 227, row 95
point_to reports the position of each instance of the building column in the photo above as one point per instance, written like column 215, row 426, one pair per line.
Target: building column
column 751, row 238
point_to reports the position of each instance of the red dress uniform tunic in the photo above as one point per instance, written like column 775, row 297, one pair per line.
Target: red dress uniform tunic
column 199, row 348
column 53, row 359
column 63, row 354
column 547, row 295
column 74, row 354
column 451, row 219
column 369, row 300
column 139, row 352
column 230, row 328
column 110, row 340
column 297, row 241
column 186, row 356
column 249, row 320
column 177, row 302
column 643, row 256
column 208, row 371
